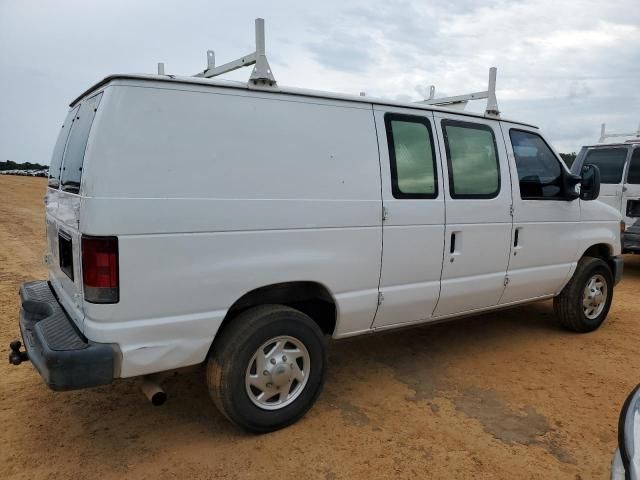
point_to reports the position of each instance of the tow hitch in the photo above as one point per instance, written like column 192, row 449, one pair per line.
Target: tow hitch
column 16, row 357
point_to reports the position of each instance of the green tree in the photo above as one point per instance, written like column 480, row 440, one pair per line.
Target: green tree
column 568, row 158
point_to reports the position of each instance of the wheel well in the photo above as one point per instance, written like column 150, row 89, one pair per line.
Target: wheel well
column 311, row 298
column 601, row 250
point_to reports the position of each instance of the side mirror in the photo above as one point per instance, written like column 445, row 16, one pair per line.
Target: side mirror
column 590, row 182
column 626, row 461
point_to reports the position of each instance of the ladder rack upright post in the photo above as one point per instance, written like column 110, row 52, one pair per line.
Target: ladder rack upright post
column 261, row 74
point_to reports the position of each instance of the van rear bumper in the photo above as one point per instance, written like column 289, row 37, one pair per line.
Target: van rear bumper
column 65, row 359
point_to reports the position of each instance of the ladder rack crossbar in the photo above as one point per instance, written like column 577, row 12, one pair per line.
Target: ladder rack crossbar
column 462, row 100
column 245, row 61
column 604, row 135
column 457, row 98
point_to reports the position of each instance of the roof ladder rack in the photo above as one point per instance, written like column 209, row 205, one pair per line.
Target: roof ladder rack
column 461, row 101
column 261, row 74
column 604, row 135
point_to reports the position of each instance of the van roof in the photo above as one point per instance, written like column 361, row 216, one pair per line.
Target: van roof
column 623, row 143
column 282, row 90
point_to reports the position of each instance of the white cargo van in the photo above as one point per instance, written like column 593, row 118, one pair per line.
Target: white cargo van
column 193, row 220
column 619, row 165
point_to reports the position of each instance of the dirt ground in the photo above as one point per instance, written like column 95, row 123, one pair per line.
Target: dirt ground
column 503, row 395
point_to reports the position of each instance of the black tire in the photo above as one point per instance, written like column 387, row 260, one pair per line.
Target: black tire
column 568, row 305
column 233, row 350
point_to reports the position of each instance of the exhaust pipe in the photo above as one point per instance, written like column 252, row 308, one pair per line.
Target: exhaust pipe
column 152, row 390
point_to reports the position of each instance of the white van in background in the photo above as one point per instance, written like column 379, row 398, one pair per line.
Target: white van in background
column 619, row 165
column 193, row 220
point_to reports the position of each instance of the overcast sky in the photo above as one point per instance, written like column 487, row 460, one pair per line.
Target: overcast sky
column 566, row 66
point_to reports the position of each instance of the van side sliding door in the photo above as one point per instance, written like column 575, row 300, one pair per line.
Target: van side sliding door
column 478, row 203
column 413, row 228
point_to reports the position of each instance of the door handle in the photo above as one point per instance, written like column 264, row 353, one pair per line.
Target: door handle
column 455, row 245
column 517, row 240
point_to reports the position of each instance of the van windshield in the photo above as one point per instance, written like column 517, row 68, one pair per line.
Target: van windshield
column 610, row 161
column 73, row 158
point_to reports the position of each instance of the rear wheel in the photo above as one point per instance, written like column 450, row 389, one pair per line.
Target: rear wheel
column 584, row 302
column 267, row 367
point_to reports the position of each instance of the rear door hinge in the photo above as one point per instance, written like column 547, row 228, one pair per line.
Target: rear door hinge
column 385, row 213
column 380, row 298
column 511, row 210
column 506, row 280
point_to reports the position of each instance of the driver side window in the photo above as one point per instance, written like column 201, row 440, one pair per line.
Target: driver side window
column 539, row 171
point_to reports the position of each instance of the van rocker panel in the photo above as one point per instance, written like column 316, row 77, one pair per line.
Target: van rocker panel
column 63, row 357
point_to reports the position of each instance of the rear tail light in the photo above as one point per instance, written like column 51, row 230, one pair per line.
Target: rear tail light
column 100, row 269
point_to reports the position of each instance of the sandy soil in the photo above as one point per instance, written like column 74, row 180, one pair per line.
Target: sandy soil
column 504, row 395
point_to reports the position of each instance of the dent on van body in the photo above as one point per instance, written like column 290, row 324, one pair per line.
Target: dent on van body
column 156, row 344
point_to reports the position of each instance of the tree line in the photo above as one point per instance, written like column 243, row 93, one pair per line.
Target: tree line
column 9, row 165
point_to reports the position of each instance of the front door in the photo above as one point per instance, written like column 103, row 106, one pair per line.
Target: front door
column 478, row 218
column 611, row 162
column 546, row 227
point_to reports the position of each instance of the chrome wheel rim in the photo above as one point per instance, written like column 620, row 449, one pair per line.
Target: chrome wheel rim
column 594, row 296
column 277, row 373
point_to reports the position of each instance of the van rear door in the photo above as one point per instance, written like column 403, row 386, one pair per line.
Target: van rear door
column 62, row 206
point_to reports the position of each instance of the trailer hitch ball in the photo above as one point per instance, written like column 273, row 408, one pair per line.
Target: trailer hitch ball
column 16, row 357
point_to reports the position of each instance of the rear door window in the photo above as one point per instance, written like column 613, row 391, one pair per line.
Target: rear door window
column 610, row 161
column 77, row 144
column 472, row 156
column 412, row 155
column 58, row 150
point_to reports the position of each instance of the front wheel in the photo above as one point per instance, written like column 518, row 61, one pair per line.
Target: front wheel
column 267, row 368
column 585, row 301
